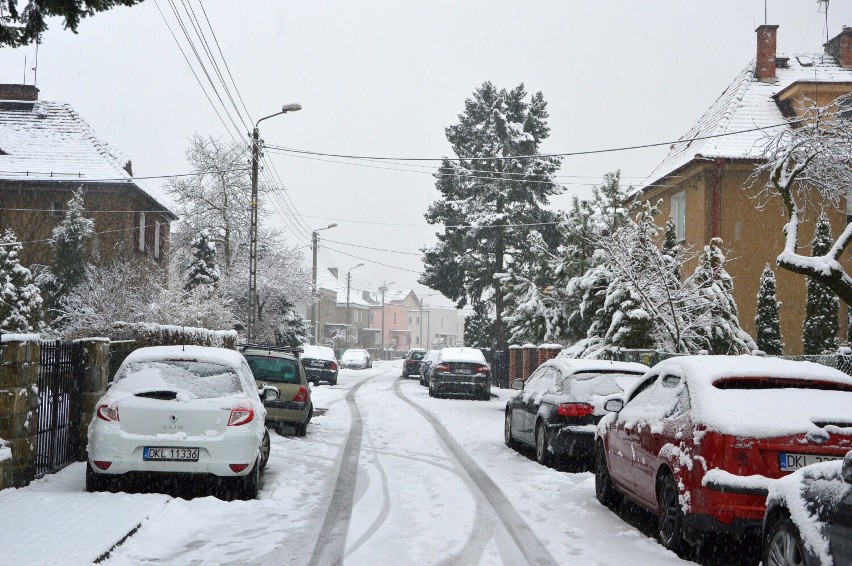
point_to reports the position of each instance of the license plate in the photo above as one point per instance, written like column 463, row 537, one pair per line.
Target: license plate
column 317, row 364
column 463, row 371
column 790, row 462
column 170, row 453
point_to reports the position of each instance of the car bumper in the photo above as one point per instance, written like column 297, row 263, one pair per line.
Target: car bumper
column 289, row 412
column 572, row 441
column 695, row 525
column 317, row 375
column 354, row 366
column 457, row 384
column 215, row 453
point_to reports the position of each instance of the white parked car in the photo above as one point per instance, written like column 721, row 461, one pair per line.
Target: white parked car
column 180, row 410
column 356, row 358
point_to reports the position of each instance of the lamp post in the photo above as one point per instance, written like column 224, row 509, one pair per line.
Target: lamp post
column 255, row 157
column 348, row 286
column 383, row 289
column 314, row 245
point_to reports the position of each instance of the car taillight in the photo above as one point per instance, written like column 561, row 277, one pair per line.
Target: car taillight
column 108, row 413
column 575, row 409
column 302, row 395
column 332, row 366
column 442, row 367
column 241, row 416
column 237, row 468
column 481, row 369
column 102, row 464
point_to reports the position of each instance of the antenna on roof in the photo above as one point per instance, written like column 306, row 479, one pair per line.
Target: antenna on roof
column 35, row 65
column 822, row 8
column 765, row 18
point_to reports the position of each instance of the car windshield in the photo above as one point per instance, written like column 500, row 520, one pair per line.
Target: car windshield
column 269, row 368
column 201, row 379
column 417, row 355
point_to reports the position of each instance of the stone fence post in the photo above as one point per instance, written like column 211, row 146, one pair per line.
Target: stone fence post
column 95, row 380
column 514, row 354
column 548, row 352
column 530, row 360
column 19, row 408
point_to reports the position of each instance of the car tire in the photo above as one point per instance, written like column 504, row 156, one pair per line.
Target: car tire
column 431, row 390
column 783, row 545
column 669, row 513
column 249, row 485
column 604, row 490
column 542, row 452
column 332, row 382
column 508, row 438
column 95, row 481
column 265, row 450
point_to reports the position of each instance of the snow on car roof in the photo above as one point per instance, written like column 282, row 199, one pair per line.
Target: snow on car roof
column 221, row 356
column 461, row 355
column 584, row 365
column 319, row 353
column 761, row 412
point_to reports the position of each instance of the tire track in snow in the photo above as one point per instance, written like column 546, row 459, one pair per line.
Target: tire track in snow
column 331, row 542
column 386, row 503
column 530, row 546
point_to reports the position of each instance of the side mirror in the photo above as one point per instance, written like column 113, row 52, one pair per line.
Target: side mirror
column 518, row 384
column 613, row 405
column 846, row 468
column 270, row 393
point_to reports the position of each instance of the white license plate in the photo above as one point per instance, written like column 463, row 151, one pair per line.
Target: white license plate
column 317, row 364
column 463, row 371
column 170, row 453
column 790, row 462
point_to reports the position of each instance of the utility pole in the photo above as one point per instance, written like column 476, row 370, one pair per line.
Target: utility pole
column 315, row 299
column 383, row 289
column 255, row 158
column 348, row 287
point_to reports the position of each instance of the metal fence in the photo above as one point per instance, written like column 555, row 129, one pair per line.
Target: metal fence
column 60, row 379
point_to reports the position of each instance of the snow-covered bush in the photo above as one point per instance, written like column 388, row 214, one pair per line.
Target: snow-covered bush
column 20, row 299
column 821, row 307
column 203, row 272
column 767, row 322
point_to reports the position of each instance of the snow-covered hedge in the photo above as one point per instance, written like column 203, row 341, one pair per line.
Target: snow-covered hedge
column 5, row 451
column 150, row 334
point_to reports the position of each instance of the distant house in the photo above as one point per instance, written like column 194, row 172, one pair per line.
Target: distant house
column 333, row 316
column 47, row 151
column 704, row 180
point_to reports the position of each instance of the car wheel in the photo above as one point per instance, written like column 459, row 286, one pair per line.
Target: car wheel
column 250, row 484
column 332, row 382
column 265, row 449
column 604, row 490
column 431, row 390
column 784, row 545
column 95, row 481
column 669, row 513
column 507, row 430
column 542, row 452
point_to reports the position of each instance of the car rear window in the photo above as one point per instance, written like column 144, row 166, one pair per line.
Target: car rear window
column 741, row 383
column 417, row 355
column 270, row 368
column 584, row 385
column 200, row 379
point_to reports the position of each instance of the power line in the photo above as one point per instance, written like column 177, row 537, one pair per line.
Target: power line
column 373, row 261
column 370, row 248
column 128, row 179
column 458, row 226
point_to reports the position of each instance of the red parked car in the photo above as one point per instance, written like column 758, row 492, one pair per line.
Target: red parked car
column 700, row 439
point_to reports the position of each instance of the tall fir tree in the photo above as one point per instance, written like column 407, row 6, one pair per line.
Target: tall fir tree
column 721, row 332
column 68, row 241
column 767, row 322
column 20, row 299
column 479, row 327
column 203, row 272
column 489, row 192
column 821, row 308
column 609, row 200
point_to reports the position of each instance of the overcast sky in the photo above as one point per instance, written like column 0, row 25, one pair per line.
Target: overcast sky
column 385, row 78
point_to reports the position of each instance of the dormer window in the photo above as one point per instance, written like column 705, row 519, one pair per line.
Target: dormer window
column 57, row 209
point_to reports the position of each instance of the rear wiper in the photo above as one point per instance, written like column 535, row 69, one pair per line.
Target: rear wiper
column 164, row 395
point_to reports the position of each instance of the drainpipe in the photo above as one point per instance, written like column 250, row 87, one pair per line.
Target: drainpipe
column 718, row 169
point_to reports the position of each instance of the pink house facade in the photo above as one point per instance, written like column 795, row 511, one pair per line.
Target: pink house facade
column 397, row 336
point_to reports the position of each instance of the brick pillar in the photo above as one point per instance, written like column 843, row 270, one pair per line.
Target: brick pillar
column 548, row 352
column 764, row 68
column 530, row 360
column 514, row 355
column 19, row 406
column 95, row 380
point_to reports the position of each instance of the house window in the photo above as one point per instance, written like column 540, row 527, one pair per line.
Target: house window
column 141, row 231
column 394, row 318
column 417, row 340
column 418, row 320
column 371, row 317
column 157, row 240
column 409, row 320
column 679, row 215
column 57, row 208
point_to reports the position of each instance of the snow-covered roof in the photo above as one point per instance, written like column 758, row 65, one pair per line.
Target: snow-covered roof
column 398, row 295
column 746, row 104
column 49, row 141
column 329, row 282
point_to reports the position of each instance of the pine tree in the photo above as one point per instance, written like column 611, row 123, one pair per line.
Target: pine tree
column 68, row 241
column 485, row 195
column 670, row 246
column 821, row 323
column 609, row 200
column 479, row 327
column 203, row 272
column 767, row 322
column 293, row 329
column 721, row 332
column 20, row 299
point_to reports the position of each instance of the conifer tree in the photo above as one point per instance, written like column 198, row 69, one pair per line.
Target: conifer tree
column 20, row 299
column 203, row 272
column 68, row 267
column 670, row 246
column 821, row 323
column 479, row 327
column 767, row 322
column 721, row 331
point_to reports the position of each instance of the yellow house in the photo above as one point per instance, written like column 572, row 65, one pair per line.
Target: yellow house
column 704, row 181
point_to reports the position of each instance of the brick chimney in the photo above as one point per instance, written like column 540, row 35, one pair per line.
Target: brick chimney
column 764, row 68
column 28, row 93
column 841, row 48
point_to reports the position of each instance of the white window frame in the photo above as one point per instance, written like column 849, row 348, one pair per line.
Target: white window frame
column 141, row 244
column 157, row 240
column 679, row 215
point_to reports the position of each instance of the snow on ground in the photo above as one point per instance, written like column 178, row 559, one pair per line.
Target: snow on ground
column 414, row 499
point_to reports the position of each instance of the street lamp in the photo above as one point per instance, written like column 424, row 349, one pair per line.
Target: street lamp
column 255, row 157
column 314, row 245
column 348, row 286
column 383, row 289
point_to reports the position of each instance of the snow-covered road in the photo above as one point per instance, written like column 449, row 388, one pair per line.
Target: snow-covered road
column 387, row 475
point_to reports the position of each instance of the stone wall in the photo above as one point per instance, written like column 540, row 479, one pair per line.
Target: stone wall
column 19, row 361
column 96, row 375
